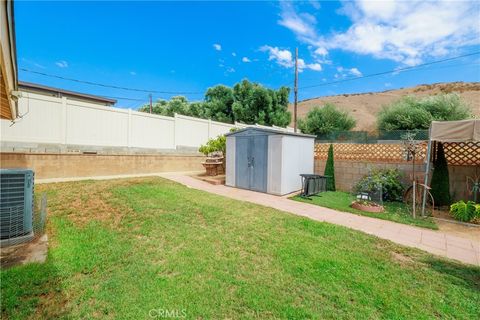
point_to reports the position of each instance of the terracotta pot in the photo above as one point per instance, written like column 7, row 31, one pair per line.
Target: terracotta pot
column 367, row 207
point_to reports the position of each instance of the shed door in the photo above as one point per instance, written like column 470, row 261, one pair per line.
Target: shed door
column 242, row 162
column 258, row 172
column 251, row 162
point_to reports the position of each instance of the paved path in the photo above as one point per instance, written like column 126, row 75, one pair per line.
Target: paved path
column 435, row 242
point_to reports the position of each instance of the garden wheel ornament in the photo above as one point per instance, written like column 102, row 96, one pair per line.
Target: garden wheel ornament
column 473, row 187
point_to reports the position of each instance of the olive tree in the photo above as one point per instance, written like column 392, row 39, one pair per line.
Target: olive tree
column 326, row 119
column 411, row 113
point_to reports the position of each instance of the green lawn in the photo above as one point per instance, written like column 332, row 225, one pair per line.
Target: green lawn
column 120, row 248
column 394, row 211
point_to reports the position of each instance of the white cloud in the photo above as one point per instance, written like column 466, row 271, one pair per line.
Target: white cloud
column 315, row 66
column 355, row 72
column 234, row 54
column 285, row 59
column 133, row 73
column 345, row 72
column 282, row 57
column 408, row 32
column 321, row 51
column 62, row 64
column 315, row 4
column 245, row 59
column 302, row 24
column 230, row 70
column 217, row 47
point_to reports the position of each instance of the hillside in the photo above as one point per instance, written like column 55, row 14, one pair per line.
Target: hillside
column 364, row 107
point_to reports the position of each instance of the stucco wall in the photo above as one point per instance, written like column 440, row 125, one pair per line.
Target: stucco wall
column 48, row 166
column 347, row 173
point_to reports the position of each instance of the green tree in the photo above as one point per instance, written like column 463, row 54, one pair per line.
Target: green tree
column 330, row 170
column 158, row 107
column 197, row 109
column 440, row 180
column 177, row 104
column 254, row 103
column 247, row 102
column 218, row 104
column 410, row 113
column 279, row 115
column 326, row 120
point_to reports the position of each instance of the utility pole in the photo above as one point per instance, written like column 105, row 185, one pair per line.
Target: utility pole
column 150, row 95
column 295, row 92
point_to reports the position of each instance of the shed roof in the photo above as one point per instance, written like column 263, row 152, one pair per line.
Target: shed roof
column 270, row 131
column 62, row 92
column 455, row 131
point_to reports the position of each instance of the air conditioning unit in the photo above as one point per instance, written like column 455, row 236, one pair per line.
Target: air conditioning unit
column 16, row 206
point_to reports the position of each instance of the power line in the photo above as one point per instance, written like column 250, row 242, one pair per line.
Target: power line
column 390, row 71
column 108, row 85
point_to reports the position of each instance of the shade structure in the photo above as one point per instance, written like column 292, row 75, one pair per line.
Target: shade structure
column 455, row 131
column 450, row 131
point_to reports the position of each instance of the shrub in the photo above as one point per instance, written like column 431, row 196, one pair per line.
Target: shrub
column 330, row 170
column 410, row 113
column 212, row 145
column 465, row 212
column 440, row 180
column 326, row 120
column 389, row 179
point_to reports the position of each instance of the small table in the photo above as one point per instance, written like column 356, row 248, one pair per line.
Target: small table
column 313, row 184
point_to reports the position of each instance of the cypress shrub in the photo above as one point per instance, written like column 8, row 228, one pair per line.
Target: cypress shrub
column 440, row 180
column 330, row 170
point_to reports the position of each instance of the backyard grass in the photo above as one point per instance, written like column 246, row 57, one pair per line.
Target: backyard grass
column 122, row 248
column 394, row 211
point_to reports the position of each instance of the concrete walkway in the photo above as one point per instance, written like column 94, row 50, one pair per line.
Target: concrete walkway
column 435, row 242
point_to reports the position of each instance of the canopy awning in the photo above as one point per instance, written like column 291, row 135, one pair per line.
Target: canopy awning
column 455, row 131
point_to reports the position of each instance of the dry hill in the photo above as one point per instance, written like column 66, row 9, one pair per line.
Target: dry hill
column 364, row 106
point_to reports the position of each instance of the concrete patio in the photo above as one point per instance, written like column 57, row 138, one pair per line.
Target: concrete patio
column 446, row 244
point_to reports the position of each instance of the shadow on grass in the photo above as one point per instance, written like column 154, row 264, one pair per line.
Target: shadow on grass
column 33, row 290
column 458, row 274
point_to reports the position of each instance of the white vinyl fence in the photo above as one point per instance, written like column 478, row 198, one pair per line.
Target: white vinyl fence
column 53, row 120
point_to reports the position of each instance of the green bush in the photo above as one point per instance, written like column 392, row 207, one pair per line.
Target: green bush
column 212, row 145
column 330, row 170
column 440, row 180
column 410, row 113
column 326, row 120
column 389, row 179
column 465, row 212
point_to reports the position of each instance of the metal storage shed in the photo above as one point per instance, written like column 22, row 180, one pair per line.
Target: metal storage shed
column 268, row 160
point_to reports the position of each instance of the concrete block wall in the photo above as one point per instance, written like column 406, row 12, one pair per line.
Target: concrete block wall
column 347, row 173
column 50, row 166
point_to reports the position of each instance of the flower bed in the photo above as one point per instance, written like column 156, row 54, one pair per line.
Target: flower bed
column 367, row 206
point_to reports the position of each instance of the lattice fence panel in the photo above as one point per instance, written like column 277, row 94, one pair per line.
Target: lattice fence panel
column 459, row 154
column 365, row 152
column 462, row 153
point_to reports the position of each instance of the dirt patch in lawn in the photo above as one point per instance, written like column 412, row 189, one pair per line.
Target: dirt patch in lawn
column 89, row 200
column 401, row 258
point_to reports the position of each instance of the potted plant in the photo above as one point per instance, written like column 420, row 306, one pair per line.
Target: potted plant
column 215, row 149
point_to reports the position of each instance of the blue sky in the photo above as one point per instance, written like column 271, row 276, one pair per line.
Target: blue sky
column 190, row 46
